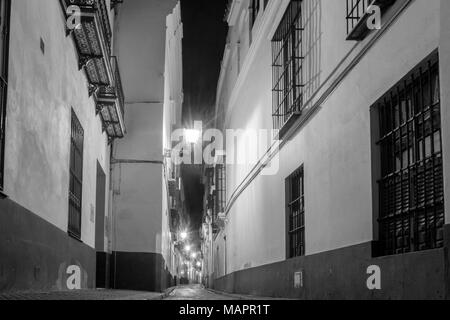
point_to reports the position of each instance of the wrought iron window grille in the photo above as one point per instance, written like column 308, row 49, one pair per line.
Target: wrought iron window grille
column 411, row 188
column 295, row 196
column 76, row 177
column 287, row 67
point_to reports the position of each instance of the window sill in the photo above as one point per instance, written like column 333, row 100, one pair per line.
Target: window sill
column 361, row 30
column 75, row 237
column 288, row 125
column 3, row 195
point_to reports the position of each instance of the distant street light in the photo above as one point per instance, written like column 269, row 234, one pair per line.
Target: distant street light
column 199, row 264
column 193, row 255
column 183, row 235
column 187, row 248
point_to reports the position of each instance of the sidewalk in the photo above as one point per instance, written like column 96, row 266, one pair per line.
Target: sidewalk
column 245, row 297
column 98, row 294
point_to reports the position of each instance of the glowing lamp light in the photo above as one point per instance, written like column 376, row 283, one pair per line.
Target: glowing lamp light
column 187, row 248
column 192, row 135
column 183, row 235
column 193, row 255
column 199, row 264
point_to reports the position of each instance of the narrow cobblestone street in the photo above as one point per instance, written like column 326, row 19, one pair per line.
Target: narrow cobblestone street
column 197, row 292
column 188, row 292
column 231, row 150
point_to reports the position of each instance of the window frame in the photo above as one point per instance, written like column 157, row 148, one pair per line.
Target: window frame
column 255, row 8
column 295, row 230
column 411, row 207
column 76, row 176
column 4, row 86
column 220, row 188
column 287, row 68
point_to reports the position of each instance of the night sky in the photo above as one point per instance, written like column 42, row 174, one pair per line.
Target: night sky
column 205, row 33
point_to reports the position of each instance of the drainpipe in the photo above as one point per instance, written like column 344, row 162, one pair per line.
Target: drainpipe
column 225, row 240
column 130, row 161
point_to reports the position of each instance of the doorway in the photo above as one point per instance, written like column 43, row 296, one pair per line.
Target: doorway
column 103, row 261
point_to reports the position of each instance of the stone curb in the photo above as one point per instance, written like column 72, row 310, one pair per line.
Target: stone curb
column 165, row 294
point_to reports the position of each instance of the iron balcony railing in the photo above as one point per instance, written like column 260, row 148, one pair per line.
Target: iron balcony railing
column 99, row 7
column 111, row 104
column 92, row 39
column 118, row 84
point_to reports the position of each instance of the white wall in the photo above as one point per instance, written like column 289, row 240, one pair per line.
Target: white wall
column 141, row 47
column 138, row 187
column 334, row 145
column 173, row 104
column 42, row 90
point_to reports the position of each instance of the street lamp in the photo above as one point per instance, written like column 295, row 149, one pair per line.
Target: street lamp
column 199, row 264
column 187, row 248
column 193, row 255
column 192, row 135
column 183, row 235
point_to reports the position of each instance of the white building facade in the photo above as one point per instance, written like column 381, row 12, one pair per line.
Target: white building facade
column 173, row 196
column 363, row 179
column 142, row 252
column 61, row 111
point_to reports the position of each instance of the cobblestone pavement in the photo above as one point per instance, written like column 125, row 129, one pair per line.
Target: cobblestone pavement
column 196, row 292
column 83, row 295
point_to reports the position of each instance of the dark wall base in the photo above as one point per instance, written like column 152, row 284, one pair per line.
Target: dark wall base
column 103, row 274
column 35, row 255
column 140, row 271
column 342, row 274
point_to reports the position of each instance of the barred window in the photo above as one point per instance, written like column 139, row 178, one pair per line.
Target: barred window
column 287, row 66
column 220, row 188
column 5, row 11
column 254, row 11
column 76, row 177
column 357, row 15
column 209, row 175
column 296, row 214
column 411, row 197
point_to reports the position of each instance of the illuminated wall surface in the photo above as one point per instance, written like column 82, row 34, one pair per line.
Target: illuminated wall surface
column 141, row 227
column 45, row 83
column 334, row 145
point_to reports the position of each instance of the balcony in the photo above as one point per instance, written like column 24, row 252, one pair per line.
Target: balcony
column 357, row 16
column 174, row 220
column 172, row 184
column 92, row 40
column 111, row 104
